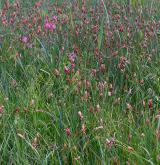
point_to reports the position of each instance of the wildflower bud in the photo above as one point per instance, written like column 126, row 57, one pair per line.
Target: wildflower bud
column 80, row 115
column 101, row 94
column 73, row 67
column 14, row 83
column 144, row 103
column 87, row 83
column 91, row 109
column 98, row 108
column 110, row 86
column 130, row 149
column 141, row 82
column 83, row 129
column 62, row 49
column 35, row 142
column 102, row 68
column 68, row 131
column 109, row 93
column 150, row 104
column 117, row 100
column 148, row 121
column 122, row 63
column 17, row 110
column 121, row 28
column 110, row 142
column 86, row 96
column 125, row 18
column 66, row 70
column 56, row 72
column 72, row 57
column 49, row 25
column 38, row 4
column 68, row 80
column 55, row 18
column 93, row 72
column 39, row 29
column 129, row 106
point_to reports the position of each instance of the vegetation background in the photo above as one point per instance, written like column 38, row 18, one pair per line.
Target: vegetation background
column 80, row 82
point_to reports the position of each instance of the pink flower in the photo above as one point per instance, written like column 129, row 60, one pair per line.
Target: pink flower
column 67, row 70
column 72, row 57
column 55, row 18
column 68, row 131
column 110, row 142
column 73, row 66
column 49, row 25
column 52, row 26
column 150, row 104
column 25, row 39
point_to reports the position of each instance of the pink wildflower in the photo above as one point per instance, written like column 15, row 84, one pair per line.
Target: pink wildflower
column 150, row 104
column 55, row 18
column 68, row 131
column 25, row 39
column 110, row 142
column 52, row 26
column 72, row 57
column 49, row 25
column 67, row 70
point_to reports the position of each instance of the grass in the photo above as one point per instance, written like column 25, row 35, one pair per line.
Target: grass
column 86, row 92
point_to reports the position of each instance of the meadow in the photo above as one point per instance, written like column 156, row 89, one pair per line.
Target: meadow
column 80, row 82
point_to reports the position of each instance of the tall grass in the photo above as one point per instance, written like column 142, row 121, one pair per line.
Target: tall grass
column 79, row 82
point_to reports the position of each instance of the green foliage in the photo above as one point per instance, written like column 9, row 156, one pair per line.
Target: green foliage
column 106, row 110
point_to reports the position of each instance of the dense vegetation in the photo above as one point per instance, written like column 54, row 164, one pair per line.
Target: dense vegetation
column 80, row 82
